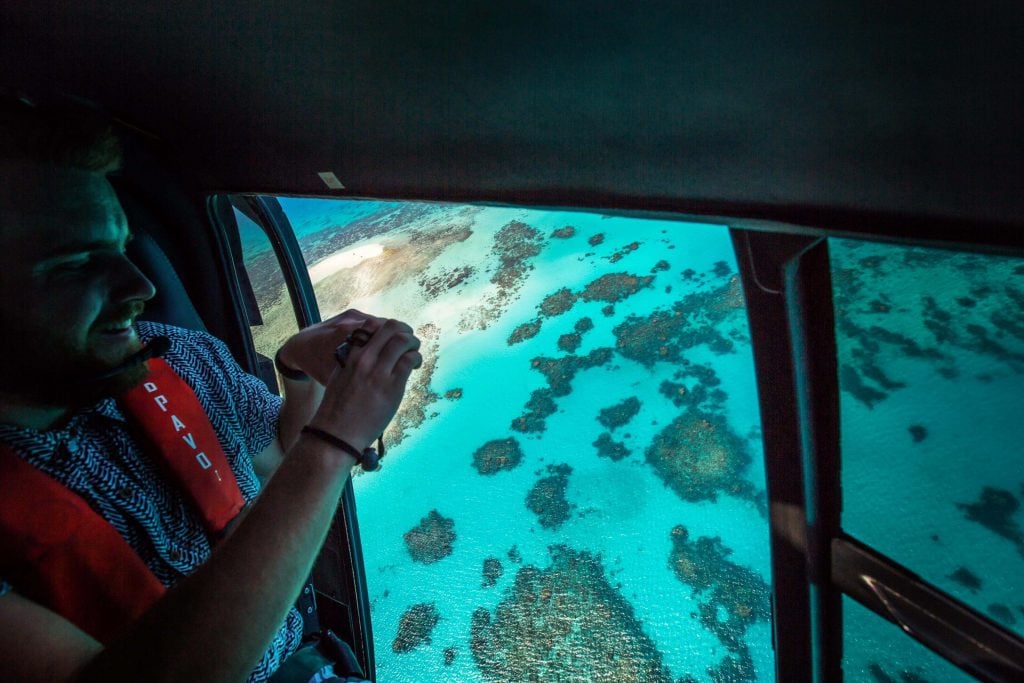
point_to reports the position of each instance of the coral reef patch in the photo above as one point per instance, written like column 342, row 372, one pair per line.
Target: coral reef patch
column 431, row 540
column 978, row 309
column 435, row 285
column 1002, row 613
column 560, row 372
column 557, row 303
column 547, row 497
column 725, row 589
column 660, row 266
column 615, row 287
column 497, row 455
column 523, row 332
column 619, row 414
column 698, row 456
column 966, row 578
column 609, row 448
column 698, row 318
column 596, row 239
column 569, row 342
column 492, row 572
column 564, row 233
column 629, row 248
column 515, row 246
column 564, row 623
column 415, row 627
column 918, row 433
column 539, row 407
column 995, row 510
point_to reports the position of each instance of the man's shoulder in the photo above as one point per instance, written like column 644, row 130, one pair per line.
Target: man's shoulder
column 149, row 329
column 190, row 350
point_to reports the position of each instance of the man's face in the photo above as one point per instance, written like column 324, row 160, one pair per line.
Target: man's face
column 68, row 294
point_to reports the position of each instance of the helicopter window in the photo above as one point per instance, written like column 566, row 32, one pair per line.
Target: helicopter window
column 574, row 484
column 875, row 650
column 931, row 372
column 276, row 322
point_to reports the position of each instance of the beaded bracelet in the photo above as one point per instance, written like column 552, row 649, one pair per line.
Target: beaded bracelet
column 368, row 459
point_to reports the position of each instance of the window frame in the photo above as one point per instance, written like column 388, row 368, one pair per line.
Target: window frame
column 792, row 277
column 341, row 598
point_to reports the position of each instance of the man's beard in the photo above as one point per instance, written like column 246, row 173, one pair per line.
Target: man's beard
column 55, row 373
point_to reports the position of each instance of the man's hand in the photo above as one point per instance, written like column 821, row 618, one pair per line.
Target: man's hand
column 361, row 398
column 312, row 350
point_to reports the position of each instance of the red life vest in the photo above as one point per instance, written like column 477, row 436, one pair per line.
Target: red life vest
column 60, row 553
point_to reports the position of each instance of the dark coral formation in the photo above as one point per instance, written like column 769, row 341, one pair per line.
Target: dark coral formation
column 523, row 332
column 492, row 572
column 539, row 407
column 560, row 372
column 596, row 239
column 701, row 317
column 445, row 280
column 564, row 623
column 619, row 414
column 698, row 456
column 609, row 448
column 515, row 246
column 660, row 266
column 966, row 578
column 569, row 342
column 1002, row 613
column 995, row 511
column 497, row 455
column 431, row 540
column 564, row 233
column 724, row 588
column 450, row 653
column 615, row 287
column 629, row 248
column 979, row 310
column 608, row 310
column 415, row 627
column 547, row 497
column 918, row 433
column 513, row 555
column 453, row 394
column 557, row 303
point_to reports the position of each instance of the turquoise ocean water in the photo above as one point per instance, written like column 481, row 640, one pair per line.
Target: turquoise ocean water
column 614, row 539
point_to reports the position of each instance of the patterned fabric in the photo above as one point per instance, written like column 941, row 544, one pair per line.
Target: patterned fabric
column 96, row 455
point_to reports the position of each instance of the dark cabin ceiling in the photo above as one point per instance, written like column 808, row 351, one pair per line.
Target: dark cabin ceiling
column 898, row 107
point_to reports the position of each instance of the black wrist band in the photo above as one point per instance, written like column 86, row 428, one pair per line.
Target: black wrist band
column 287, row 372
column 368, row 459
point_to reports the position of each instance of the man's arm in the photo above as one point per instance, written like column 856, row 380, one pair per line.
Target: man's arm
column 215, row 624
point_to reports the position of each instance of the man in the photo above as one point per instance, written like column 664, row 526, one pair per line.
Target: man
column 69, row 298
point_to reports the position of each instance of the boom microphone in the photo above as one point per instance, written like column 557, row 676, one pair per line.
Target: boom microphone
column 157, row 346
